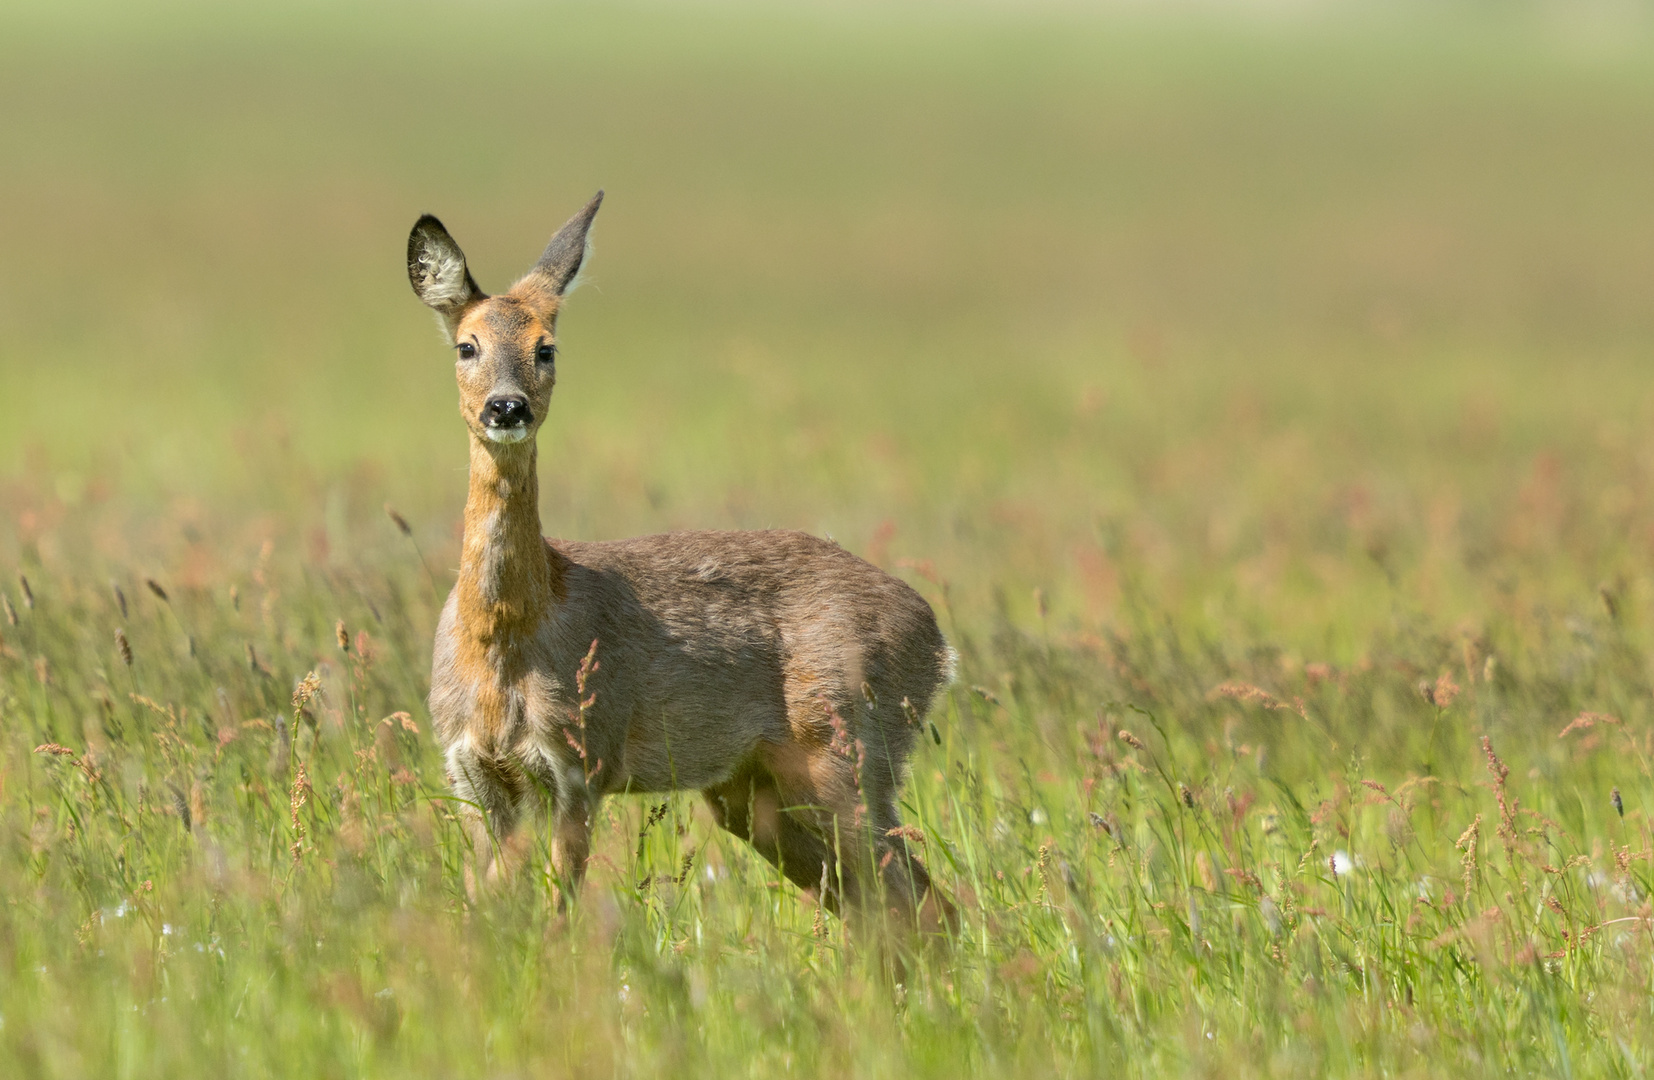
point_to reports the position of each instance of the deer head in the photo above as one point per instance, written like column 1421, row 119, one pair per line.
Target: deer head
column 506, row 345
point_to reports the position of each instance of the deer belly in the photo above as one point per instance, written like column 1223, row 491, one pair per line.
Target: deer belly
column 669, row 751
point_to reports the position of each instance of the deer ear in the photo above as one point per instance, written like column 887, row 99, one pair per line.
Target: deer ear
column 567, row 250
column 436, row 269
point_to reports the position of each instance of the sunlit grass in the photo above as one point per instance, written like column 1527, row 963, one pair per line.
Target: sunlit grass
column 1262, row 402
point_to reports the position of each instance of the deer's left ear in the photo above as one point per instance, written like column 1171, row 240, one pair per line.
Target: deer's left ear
column 437, row 271
column 561, row 262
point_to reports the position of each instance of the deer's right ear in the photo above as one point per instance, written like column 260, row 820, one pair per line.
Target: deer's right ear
column 436, row 269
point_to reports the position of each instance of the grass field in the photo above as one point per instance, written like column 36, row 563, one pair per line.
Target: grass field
column 1262, row 398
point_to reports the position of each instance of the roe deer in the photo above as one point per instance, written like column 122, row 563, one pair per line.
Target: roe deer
column 779, row 674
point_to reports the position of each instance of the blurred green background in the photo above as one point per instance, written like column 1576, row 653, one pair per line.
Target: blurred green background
column 1267, row 303
column 1269, row 379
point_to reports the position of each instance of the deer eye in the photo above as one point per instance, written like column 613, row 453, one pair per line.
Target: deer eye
column 467, row 351
column 545, row 352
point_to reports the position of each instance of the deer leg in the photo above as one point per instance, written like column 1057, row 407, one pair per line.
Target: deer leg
column 491, row 791
column 571, row 833
column 883, row 876
column 731, row 802
column 801, row 810
column 826, row 816
column 909, row 896
column 565, row 797
column 752, row 806
column 571, row 840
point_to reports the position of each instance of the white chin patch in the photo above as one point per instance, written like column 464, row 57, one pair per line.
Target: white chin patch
column 505, row 435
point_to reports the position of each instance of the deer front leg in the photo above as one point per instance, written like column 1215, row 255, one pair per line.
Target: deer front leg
column 570, row 846
column 572, row 802
column 491, row 793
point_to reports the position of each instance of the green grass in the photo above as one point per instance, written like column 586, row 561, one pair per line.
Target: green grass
column 1273, row 388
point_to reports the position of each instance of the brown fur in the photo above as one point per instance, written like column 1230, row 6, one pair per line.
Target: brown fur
column 766, row 669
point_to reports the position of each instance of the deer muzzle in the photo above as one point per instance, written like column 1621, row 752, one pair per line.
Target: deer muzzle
column 506, row 418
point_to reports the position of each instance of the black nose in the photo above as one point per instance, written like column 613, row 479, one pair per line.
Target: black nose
column 511, row 411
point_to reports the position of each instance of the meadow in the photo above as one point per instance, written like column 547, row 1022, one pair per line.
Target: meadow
column 1262, row 397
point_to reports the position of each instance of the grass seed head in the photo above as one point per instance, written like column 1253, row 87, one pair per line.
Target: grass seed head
column 306, row 689
column 297, row 796
column 398, row 520
column 120, row 597
column 1467, row 844
column 299, row 793
column 181, row 807
column 1441, row 693
column 123, row 647
column 342, row 636
column 155, row 587
column 1586, row 720
column 28, row 593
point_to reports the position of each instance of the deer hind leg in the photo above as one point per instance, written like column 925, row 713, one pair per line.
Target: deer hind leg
column 907, row 896
column 882, row 882
column 753, row 806
column 827, row 815
column 802, row 810
column 910, row 897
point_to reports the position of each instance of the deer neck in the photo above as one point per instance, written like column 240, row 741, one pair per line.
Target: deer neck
column 507, row 578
